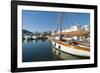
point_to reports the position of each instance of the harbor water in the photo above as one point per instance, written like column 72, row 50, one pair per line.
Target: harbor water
column 37, row 50
column 40, row 50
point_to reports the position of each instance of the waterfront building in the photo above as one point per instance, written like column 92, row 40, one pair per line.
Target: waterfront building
column 77, row 28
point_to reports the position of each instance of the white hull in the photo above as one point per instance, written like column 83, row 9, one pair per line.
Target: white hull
column 71, row 50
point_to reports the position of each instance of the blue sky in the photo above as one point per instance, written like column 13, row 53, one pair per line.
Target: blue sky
column 44, row 21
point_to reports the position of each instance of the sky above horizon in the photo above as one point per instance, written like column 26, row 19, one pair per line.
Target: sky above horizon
column 41, row 21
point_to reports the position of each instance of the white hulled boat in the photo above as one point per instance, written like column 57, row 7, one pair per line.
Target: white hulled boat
column 65, row 44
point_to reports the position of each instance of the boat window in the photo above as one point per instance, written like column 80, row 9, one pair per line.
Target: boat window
column 75, row 43
column 59, row 47
column 69, row 42
column 86, row 37
column 55, row 44
column 66, row 42
column 59, row 53
column 54, row 51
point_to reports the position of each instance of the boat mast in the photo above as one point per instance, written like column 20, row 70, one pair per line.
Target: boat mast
column 60, row 23
column 56, row 31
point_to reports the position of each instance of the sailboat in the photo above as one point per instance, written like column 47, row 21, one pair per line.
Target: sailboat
column 62, row 46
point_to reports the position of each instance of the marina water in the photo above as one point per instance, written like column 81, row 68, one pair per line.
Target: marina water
column 40, row 50
column 37, row 50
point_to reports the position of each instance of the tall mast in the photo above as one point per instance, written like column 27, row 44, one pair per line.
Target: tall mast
column 60, row 24
column 57, row 24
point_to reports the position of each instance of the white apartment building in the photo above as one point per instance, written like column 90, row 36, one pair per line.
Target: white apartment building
column 86, row 27
column 77, row 28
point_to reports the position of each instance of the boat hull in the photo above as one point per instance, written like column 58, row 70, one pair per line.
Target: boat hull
column 58, row 49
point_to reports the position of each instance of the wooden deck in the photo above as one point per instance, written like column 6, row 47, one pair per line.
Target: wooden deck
column 73, row 46
column 76, row 33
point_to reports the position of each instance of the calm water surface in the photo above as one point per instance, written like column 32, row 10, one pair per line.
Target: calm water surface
column 37, row 50
column 41, row 50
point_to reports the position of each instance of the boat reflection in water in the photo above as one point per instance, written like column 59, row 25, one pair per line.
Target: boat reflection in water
column 37, row 50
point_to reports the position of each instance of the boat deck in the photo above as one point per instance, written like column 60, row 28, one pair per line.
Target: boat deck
column 76, row 46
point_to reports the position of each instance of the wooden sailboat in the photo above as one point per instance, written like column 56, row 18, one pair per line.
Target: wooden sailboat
column 62, row 47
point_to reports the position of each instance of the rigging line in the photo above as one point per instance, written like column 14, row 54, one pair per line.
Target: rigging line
column 59, row 22
column 69, row 20
column 79, row 19
column 70, row 17
column 74, row 19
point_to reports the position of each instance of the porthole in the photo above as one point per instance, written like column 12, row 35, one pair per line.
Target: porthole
column 55, row 44
column 59, row 53
column 54, row 51
column 59, row 47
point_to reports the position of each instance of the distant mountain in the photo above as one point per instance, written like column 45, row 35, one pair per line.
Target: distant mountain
column 27, row 32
